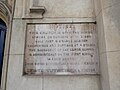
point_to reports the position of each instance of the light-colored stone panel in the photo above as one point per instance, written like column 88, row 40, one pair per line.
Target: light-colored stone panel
column 104, row 78
column 111, row 17
column 71, row 83
column 114, row 70
column 15, row 79
column 17, row 38
column 18, row 9
column 109, row 3
column 98, row 7
column 106, row 3
column 101, row 35
column 67, row 8
column 110, row 70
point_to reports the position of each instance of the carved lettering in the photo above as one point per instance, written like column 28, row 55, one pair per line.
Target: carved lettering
column 61, row 49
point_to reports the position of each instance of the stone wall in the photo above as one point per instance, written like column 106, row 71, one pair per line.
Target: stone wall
column 109, row 41
column 104, row 12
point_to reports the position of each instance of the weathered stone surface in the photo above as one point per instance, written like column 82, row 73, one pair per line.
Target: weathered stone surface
column 71, row 83
column 61, row 49
column 18, row 9
column 16, row 80
column 17, row 37
column 104, row 78
column 59, row 8
column 109, row 41
column 69, row 11
column 114, row 70
column 101, row 35
column 108, row 3
column 111, row 27
column 98, row 7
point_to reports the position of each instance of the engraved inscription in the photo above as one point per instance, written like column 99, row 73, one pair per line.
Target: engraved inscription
column 61, row 49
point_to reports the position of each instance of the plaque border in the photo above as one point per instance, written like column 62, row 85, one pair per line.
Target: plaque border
column 26, row 28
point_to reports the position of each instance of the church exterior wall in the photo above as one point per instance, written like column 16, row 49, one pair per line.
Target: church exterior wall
column 105, row 13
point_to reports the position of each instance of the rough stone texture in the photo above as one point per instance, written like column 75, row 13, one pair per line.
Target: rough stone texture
column 112, row 36
column 104, row 72
column 108, row 20
column 101, row 36
column 104, row 78
column 114, row 70
column 98, row 7
column 71, row 83
column 62, row 9
column 16, row 81
column 109, row 3
column 17, row 37
column 57, row 11
column 68, row 8
column 111, row 26
column 18, row 13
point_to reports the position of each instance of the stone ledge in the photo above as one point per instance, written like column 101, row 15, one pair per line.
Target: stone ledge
column 40, row 9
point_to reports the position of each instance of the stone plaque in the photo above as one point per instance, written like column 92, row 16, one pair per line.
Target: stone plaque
column 61, row 49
